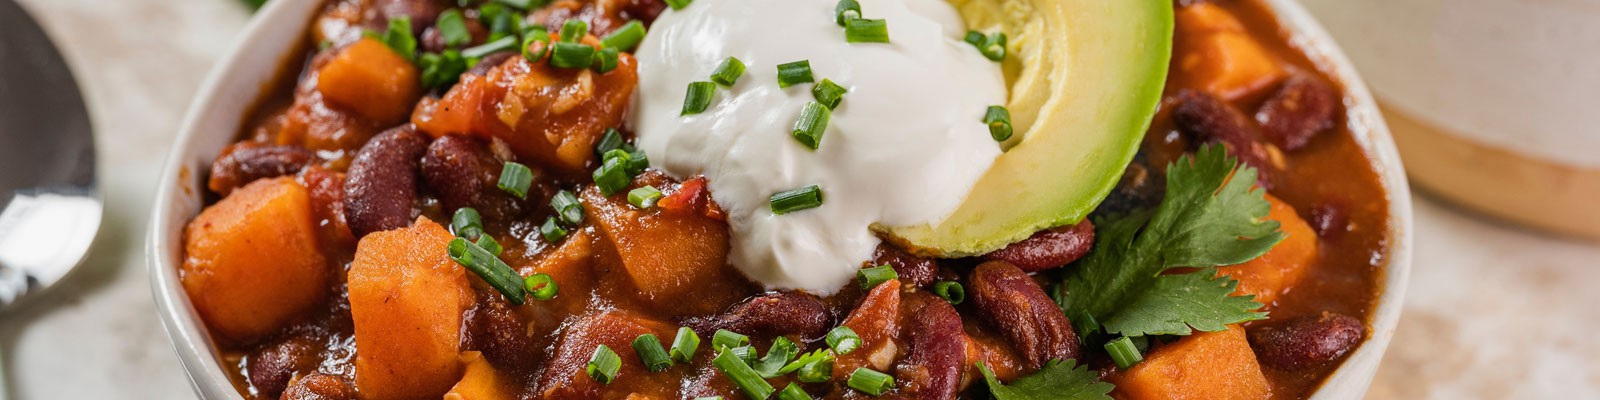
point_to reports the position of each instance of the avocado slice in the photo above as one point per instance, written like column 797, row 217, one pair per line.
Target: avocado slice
column 1086, row 77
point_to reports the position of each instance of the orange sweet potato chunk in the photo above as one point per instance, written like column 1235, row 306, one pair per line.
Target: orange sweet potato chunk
column 371, row 80
column 678, row 261
column 1206, row 365
column 406, row 301
column 480, row 381
column 565, row 376
column 1214, row 53
column 252, row 261
column 1274, row 273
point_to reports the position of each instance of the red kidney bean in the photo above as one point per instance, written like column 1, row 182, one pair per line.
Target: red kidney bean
column 1329, row 220
column 382, row 181
column 769, row 314
column 1016, row 306
column 1302, row 108
column 937, row 353
column 601, row 20
column 421, row 12
column 1048, row 249
column 319, row 387
column 496, row 329
column 463, row 173
column 271, row 366
column 917, row 271
column 1305, row 341
column 1213, row 120
column 245, row 162
column 490, row 61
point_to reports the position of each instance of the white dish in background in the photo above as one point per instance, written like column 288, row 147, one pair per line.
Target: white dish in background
column 213, row 121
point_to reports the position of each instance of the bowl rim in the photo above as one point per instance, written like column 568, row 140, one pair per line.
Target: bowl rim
column 277, row 27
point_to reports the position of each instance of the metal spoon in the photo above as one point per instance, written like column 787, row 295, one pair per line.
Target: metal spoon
column 49, row 204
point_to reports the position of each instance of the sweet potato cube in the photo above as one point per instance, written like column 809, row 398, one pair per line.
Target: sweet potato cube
column 406, row 300
column 565, row 377
column 1215, row 54
column 480, row 381
column 571, row 266
column 252, row 261
column 1274, row 273
column 371, row 80
column 678, row 261
column 1206, row 365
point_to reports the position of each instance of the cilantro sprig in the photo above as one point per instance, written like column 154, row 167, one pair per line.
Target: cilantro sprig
column 1058, row 380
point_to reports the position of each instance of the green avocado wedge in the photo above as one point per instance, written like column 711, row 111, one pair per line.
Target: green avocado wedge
column 1086, row 77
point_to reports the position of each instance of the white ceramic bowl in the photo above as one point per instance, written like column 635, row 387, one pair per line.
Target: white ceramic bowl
column 213, row 122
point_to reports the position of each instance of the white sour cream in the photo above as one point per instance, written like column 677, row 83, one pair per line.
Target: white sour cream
column 904, row 148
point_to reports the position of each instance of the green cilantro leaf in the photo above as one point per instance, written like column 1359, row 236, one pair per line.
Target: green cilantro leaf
column 1210, row 217
column 1058, row 380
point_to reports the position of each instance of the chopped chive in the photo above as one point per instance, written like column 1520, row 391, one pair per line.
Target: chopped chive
column 871, row 277
column 496, row 46
column 975, row 38
column 684, row 346
column 698, row 99
column 816, row 371
column 571, row 55
column 568, row 207
column 453, row 28
column 709, row 398
column 866, row 31
column 843, row 340
column 871, row 382
column 488, row 243
column 626, row 37
column 813, row 122
column 490, row 268
column 573, row 30
column 515, row 179
column 796, row 200
column 808, row 358
column 728, row 72
column 398, row 38
column 603, row 366
column 552, row 231
column 742, row 376
column 726, row 338
column 1124, row 352
column 612, row 176
column 828, row 93
column 644, row 196
column 999, row 121
column 650, row 352
column 529, row 51
column 637, row 162
column 612, row 140
column 845, row 11
column 540, row 286
column 746, row 353
column 678, row 4
column 951, row 291
column 443, row 69
column 793, row 392
column 466, row 223
column 777, row 357
column 605, row 60
column 522, row 4
column 790, row 74
column 995, row 48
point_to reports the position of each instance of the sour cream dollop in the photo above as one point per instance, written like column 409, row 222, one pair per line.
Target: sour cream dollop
column 904, row 148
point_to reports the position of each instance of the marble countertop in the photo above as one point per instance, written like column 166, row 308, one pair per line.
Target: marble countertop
column 1492, row 311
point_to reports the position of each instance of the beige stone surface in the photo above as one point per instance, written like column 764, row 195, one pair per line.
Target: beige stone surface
column 1493, row 311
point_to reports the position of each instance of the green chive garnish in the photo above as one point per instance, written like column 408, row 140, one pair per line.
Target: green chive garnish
column 951, row 291
column 843, row 340
column 399, row 38
column 793, row 392
column 871, row 382
column 488, row 243
column 678, row 4
column 612, row 140
column 845, row 11
column 742, row 376
column 490, row 268
column 816, row 371
column 684, row 346
column 637, row 162
column 728, row 72
column 1124, row 352
column 612, row 176
column 520, row 4
column 573, row 30
column 466, row 223
column 866, row 31
column 644, row 196
column 726, row 338
column 699, row 97
column 796, row 200
column 603, row 365
column 496, row 46
column 871, row 277
column 828, row 93
column 441, row 69
column 650, row 351
column 793, row 73
column 571, row 55
column 540, row 286
column 552, row 231
column 813, row 122
column 452, row 27
column 626, row 37
column 746, row 353
column 604, row 60
column 532, row 52
column 999, row 121
column 567, row 207
column 515, row 179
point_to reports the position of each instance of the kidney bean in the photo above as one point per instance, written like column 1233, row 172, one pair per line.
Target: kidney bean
column 271, row 366
column 1016, row 306
column 421, row 12
column 769, row 314
column 1047, row 249
column 496, row 329
column 937, row 353
column 1213, row 120
column 319, row 387
column 463, row 173
column 245, row 162
column 1305, row 341
column 913, row 270
column 1302, row 108
column 1329, row 220
column 382, row 181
